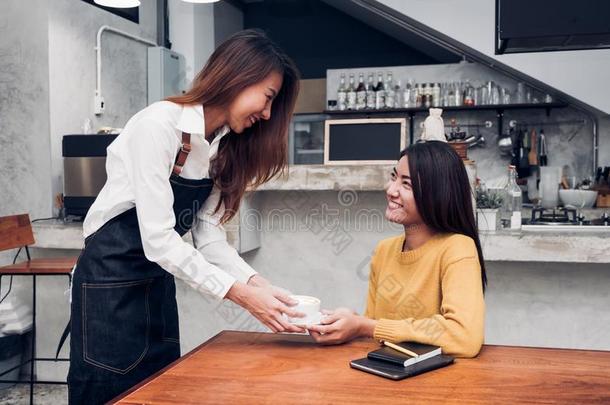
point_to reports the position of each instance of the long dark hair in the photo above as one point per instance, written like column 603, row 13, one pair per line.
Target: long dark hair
column 255, row 156
column 442, row 192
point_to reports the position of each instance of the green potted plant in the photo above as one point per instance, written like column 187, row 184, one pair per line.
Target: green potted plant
column 488, row 209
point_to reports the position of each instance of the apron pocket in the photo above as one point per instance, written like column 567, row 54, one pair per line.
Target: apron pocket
column 116, row 324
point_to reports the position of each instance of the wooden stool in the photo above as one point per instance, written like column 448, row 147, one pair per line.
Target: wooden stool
column 16, row 232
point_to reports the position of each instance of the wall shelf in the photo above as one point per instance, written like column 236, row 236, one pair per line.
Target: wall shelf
column 412, row 112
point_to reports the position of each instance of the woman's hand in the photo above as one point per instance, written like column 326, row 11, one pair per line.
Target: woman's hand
column 340, row 326
column 278, row 292
column 267, row 304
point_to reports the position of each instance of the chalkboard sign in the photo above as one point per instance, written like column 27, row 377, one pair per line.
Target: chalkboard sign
column 369, row 141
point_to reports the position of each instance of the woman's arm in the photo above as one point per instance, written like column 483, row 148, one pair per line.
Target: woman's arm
column 210, row 238
column 458, row 329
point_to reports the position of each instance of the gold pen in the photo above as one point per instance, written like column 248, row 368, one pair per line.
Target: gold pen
column 401, row 349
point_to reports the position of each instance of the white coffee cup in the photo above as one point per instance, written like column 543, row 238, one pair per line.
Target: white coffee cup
column 310, row 306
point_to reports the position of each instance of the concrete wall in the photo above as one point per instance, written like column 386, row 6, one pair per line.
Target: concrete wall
column 196, row 29
column 25, row 159
column 181, row 27
column 73, row 27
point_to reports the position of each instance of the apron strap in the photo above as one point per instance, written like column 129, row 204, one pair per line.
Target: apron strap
column 185, row 149
column 62, row 340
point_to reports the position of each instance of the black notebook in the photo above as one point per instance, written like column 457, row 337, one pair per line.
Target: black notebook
column 397, row 372
column 394, row 356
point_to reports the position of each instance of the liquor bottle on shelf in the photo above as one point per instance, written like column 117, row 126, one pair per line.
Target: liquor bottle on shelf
column 342, row 94
column 398, row 101
column 361, row 93
column 450, row 94
column 351, row 93
column 379, row 92
column 370, row 92
column 444, row 95
column 436, row 95
column 419, row 95
column 428, row 100
column 407, row 94
column 459, row 95
column 390, row 94
column 468, row 94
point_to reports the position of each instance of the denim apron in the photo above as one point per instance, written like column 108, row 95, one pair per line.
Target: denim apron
column 124, row 320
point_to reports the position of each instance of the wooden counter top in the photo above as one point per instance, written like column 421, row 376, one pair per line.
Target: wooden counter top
column 252, row 368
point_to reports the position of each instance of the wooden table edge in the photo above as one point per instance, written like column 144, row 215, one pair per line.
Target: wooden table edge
column 164, row 369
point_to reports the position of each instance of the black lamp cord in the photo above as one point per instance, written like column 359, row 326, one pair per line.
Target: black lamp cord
column 10, row 284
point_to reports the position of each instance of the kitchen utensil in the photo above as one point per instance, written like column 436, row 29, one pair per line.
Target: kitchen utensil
column 565, row 171
column 533, row 154
column 549, row 186
column 598, row 175
column 505, row 143
column 473, row 141
column 605, row 174
column 578, row 198
column 542, row 152
column 524, row 170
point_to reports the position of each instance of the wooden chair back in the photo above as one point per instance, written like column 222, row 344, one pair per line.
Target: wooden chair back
column 15, row 232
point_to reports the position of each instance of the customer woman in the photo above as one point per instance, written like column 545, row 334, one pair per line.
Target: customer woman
column 179, row 164
column 427, row 284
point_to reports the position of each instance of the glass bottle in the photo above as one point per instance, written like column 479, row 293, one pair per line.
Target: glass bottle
column 512, row 204
column 459, row 95
column 428, row 102
column 390, row 94
column 398, row 100
column 361, row 93
column 406, row 94
column 495, row 94
column 444, row 94
column 351, row 93
column 418, row 96
column 520, row 93
column 468, row 94
column 436, row 95
column 379, row 92
column 370, row 92
column 450, row 95
column 424, row 96
column 342, row 94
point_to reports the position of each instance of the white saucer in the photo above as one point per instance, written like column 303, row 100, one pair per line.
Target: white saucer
column 312, row 320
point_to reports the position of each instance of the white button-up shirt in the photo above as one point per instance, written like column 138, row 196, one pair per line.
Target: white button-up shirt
column 139, row 163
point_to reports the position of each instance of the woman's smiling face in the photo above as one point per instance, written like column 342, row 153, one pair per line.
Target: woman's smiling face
column 254, row 103
column 401, row 207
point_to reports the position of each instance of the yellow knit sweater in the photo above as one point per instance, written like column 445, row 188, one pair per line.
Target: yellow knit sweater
column 430, row 295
